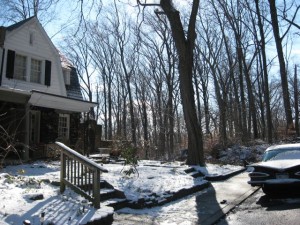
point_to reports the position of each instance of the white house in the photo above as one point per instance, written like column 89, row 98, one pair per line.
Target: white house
column 40, row 96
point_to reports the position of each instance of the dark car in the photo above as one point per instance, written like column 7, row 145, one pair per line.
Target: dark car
column 279, row 170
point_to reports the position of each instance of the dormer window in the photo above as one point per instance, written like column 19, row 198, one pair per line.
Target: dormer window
column 67, row 76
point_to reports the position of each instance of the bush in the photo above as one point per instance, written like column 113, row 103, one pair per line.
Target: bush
column 7, row 146
column 129, row 155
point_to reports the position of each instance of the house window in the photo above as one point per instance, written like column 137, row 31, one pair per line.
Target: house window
column 36, row 71
column 63, row 126
column 25, row 68
column 20, row 67
column 67, row 76
column 31, row 38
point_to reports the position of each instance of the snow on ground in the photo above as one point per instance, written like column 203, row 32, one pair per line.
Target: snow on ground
column 19, row 183
column 157, row 177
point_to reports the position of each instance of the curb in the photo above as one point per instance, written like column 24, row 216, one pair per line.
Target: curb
column 224, row 176
column 156, row 200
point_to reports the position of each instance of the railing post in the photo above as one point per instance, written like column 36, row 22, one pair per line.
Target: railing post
column 96, row 188
column 62, row 171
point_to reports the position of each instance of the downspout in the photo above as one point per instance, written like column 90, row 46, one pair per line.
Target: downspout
column 26, row 154
column 2, row 39
column 1, row 69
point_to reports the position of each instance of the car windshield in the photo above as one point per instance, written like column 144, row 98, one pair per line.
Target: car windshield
column 282, row 154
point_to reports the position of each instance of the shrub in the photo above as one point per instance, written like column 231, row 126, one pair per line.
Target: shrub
column 7, row 146
column 131, row 160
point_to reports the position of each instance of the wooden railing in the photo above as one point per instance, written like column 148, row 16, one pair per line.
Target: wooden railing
column 80, row 174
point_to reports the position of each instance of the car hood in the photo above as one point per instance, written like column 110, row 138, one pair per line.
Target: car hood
column 278, row 164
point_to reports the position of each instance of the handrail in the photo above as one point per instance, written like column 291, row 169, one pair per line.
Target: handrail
column 80, row 174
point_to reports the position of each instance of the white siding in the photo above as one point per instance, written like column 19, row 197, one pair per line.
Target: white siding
column 31, row 40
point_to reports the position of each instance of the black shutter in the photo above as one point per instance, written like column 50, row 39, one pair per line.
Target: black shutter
column 48, row 73
column 10, row 64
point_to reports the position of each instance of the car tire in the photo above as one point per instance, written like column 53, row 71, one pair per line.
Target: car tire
column 269, row 191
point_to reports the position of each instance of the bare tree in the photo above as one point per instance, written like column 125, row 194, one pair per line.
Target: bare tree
column 265, row 76
column 17, row 10
column 185, row 43
column 283, row 72
column 104, row 57
column 78, row 52
column 160, row 47
column 127, row 58
column 294, row 16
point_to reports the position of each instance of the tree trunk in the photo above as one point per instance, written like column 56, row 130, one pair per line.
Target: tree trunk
column 145, row 128
column 185, row 47
column 109, row 96
column 265, row 73
column 283, row 72
column 243, row 123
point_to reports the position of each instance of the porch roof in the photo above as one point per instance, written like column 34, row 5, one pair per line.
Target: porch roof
column 53, row 101
column 14, row 95
column 43, row 99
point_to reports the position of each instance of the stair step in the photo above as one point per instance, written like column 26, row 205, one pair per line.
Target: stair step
column 116, row 203
column 105, row 184
column 107, row 193
column 112, row 201
column 197, row 174
column 106, row 190
column 189, row 170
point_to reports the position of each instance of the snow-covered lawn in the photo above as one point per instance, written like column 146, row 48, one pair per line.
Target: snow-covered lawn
column 18, row 184
column 157, row 177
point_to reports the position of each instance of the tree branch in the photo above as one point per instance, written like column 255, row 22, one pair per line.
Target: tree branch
column 147, row 4
column 290, row 21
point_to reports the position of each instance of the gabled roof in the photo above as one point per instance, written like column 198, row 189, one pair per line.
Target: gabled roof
column 73, row 101
column 11, row 28
column 19, row 24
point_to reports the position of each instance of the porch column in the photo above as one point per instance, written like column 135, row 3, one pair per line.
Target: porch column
column 27, row 130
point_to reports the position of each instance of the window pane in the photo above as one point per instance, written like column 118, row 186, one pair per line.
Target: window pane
column 20, row 67
column 36, row 71
column 63, row 126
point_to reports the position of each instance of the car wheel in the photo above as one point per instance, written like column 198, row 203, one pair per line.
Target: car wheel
column 269, row 191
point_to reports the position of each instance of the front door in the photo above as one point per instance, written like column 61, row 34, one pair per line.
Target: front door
column 34, row 127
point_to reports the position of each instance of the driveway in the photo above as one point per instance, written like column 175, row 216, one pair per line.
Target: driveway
column 259, row 209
